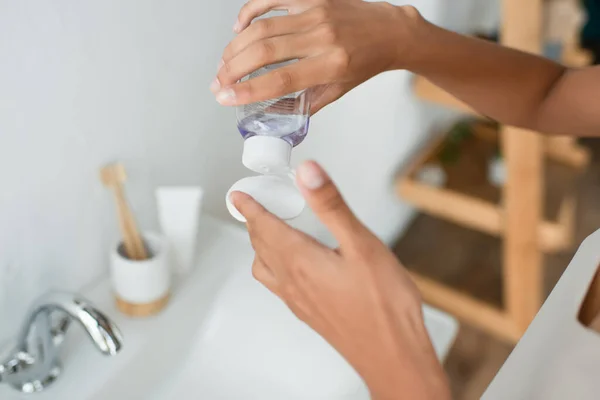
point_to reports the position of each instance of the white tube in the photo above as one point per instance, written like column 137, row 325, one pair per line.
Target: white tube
column 178, row 214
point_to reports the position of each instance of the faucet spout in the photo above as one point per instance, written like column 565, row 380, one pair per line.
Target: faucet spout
column 35, row 361
column 104, row 333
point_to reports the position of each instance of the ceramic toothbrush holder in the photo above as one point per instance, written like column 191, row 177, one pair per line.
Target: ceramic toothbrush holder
column 142, row 288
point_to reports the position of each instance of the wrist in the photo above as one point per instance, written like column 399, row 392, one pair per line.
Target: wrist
column 408, row 40
column 428, row 389
column 410, row 365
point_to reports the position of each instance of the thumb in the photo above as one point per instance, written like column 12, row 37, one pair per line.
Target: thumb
column 325, row 200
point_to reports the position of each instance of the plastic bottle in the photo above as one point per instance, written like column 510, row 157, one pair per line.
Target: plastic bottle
column 286, row 117
column 271, row 129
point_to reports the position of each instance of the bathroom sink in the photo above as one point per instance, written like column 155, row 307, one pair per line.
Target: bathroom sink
column 252, row 347
column 222, row 337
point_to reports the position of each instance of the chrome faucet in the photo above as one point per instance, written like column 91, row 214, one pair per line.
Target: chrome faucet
column 34, row 363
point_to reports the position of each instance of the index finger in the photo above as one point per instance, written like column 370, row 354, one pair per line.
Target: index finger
column 298, row 76
column 272, row 239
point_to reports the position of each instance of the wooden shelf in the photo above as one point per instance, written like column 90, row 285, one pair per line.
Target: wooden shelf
column 483, row 213
column 480, row 215
column 566, row 151
column 468, row 309
column 576, row 57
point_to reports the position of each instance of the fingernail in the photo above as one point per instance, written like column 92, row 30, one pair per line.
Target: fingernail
column 215, row 86
column 311, row 175
column 226, row 97
column 237, row 26
column 221, row 63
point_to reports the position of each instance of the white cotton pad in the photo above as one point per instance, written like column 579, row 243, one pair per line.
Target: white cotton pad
column 277, row 194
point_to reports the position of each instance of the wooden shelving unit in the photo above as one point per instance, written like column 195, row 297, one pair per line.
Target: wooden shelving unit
column 473, row 212
column 519, row 217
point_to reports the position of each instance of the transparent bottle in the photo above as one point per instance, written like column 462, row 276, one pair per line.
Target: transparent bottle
column 286, row 117
column 272, row 128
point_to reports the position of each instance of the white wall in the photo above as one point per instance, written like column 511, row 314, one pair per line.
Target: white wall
column 84, row 83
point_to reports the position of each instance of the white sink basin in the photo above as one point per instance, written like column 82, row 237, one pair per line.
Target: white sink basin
column 252, row 347
column 223, row 337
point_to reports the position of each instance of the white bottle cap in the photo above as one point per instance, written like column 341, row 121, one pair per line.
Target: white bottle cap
column 275, row 189
column 267, row 155
column 278, row 194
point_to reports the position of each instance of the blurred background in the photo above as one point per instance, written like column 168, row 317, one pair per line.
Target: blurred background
column 87, row 83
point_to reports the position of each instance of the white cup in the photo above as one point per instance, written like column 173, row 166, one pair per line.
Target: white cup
column 142, row 282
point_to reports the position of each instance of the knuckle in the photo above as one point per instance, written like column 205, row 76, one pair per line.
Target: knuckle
column 341, row 61
column 226, row 69
column 263, row 27
column 327, row 33
column 283, row 79
column 266, row 50
column 410, row 11
column 386, row 5
column 256, row 272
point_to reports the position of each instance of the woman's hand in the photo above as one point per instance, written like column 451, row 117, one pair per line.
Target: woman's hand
column 359, row 298
column 339, row 44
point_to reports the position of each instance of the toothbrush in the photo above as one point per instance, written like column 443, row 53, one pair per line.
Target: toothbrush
column 113, row 176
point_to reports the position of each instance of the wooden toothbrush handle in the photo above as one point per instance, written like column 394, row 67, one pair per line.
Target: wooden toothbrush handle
column 134, row 245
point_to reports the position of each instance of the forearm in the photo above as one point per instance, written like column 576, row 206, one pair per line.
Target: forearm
column 504, row 84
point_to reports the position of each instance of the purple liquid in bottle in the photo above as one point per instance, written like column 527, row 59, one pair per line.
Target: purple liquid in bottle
column 291, row 128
